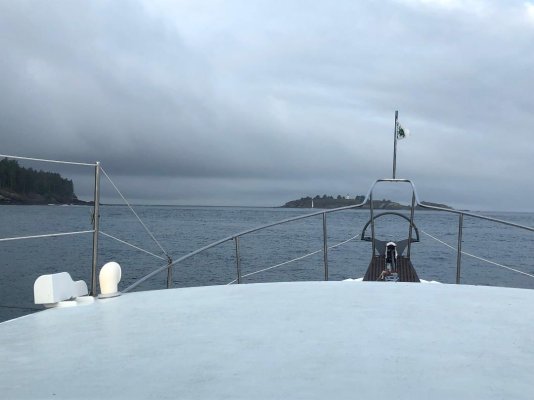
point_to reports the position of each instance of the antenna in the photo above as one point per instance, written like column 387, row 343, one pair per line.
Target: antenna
column 395, row 144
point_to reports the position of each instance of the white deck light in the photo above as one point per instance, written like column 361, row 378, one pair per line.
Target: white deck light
column 109, row 278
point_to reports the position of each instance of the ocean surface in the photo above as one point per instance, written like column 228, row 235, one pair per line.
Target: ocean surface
column 181, row 230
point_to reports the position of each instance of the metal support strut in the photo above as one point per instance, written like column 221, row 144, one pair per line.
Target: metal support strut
column 395, row 145
column 96, row 223
column 459, row 254
column 237, row 259
column 169, row 272
column 373, row 244
column 325, row 248
column 410, row 233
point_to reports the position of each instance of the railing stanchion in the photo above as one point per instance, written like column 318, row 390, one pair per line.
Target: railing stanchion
column 459, row 254
column 372, row 222
column 325, row 248
column 96, row 223
column 169, row 273
column 237, row 259
column 395, row 145
column 410, row 234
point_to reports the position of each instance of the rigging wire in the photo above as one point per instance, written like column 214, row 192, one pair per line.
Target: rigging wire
column 477, row 257
column 45, row 160
column 341, row 243
column 278, row 265
column 137, row 216
column 131, row 245
column 294, row 259
column 44, row 236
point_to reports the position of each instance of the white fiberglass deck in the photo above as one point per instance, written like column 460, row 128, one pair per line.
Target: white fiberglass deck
column 313, row 340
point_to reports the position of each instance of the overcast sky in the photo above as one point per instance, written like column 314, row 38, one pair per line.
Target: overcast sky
column 260, row 102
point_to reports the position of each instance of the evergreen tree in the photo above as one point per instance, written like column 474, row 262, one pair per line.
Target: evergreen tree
column 28, row 181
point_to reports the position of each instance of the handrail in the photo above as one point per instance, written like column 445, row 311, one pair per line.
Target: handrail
column 451, row 210
column 246, row 232
column 479, row 216
column 233, row 237
column 237, row 235
column 170, row 263
column 368, row 197
column 368, row 239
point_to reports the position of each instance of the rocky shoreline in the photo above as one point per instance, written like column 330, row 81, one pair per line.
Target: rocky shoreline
column 8, row 197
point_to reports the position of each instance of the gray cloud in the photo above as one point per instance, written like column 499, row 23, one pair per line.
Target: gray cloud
column 259, row 102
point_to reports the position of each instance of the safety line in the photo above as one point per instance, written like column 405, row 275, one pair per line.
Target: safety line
column 346, row 241
column 131, row 245
column 133, row 211
column 45, row 160
column 477, row 257
column 294, row 259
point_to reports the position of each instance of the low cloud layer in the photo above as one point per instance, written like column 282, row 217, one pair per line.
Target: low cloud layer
column 256, row 103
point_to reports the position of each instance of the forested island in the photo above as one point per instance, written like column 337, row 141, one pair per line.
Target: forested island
column 19, row 185
column 343, row 201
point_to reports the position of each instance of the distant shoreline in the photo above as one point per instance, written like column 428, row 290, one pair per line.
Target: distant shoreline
column 329, row 202
column 303, row 209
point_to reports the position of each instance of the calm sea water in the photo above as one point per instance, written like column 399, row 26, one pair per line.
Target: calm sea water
column 184, row 229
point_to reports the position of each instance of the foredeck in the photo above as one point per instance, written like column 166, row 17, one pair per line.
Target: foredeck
column 308, row 340
column 405, row 269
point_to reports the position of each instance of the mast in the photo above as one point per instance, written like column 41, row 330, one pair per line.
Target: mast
column 395, row 145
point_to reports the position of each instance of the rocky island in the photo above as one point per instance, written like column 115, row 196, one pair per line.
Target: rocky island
column 19, row 185
column 343, row 201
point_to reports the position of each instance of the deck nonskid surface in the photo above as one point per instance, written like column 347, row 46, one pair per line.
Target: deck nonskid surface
column 310, row 340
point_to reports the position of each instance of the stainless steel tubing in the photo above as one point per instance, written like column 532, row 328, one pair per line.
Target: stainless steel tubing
column 372, row 222
column 459, row 254
column 410, row 234
column 96, row 223
column 237, row 259
column 169, row 273
column 368, row 197
column 395, row 145
column 325, row 248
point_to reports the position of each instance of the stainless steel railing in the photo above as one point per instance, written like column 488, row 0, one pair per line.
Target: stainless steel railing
column 368, row 198
column 461, row 215
column 95, row 220
column 236, row 237
column 96, row 215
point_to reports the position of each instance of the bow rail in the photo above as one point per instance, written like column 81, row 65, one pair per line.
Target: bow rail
column 367, row 200
column 170, row 263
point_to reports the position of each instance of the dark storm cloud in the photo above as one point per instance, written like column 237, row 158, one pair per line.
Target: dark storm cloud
column 217, row 102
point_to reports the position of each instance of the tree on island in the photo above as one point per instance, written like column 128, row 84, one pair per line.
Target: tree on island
column 24, row 185
column 341, row 201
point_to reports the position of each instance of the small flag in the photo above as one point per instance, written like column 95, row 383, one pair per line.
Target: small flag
column 402, row 133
